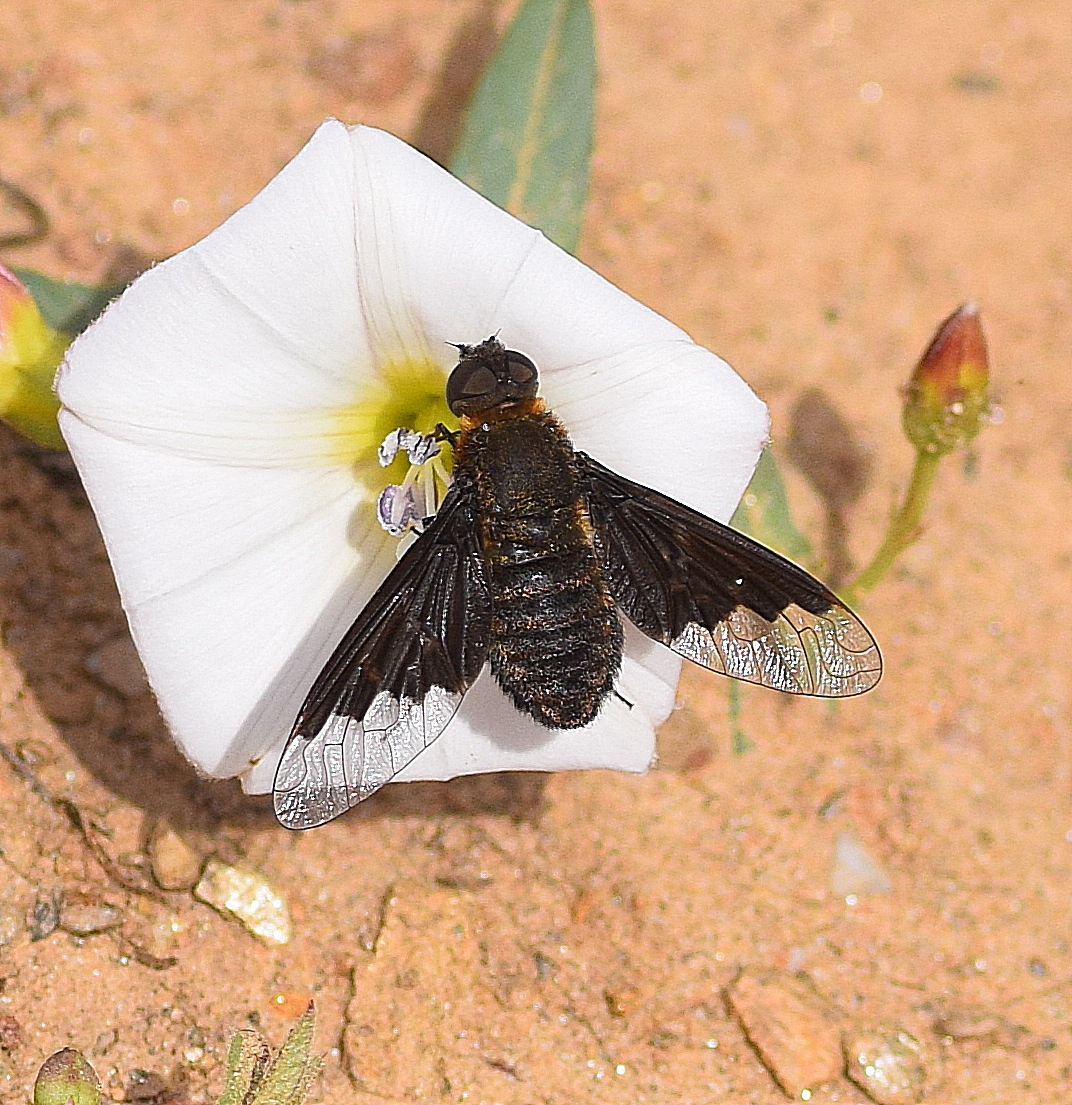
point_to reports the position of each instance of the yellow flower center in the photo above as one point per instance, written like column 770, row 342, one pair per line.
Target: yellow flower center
column 407, row 393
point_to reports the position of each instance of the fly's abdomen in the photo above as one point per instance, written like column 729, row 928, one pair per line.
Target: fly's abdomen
column 556, row 640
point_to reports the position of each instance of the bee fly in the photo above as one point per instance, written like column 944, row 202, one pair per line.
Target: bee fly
column 528, row 564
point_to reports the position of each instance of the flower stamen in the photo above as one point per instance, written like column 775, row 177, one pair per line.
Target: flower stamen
column 402, row 508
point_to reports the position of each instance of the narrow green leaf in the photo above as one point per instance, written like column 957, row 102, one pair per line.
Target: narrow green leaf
column 247, row 1060
column 526, row 142
column 764, row 512
column 291, row 1072
column 69, row 307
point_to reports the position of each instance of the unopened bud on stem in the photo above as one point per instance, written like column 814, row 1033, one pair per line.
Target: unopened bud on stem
column 30, row 353
column 946, row 400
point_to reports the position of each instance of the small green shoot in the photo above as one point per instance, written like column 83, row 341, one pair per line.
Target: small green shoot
column 255, row 1079
column 67, row 1078
column 253, row 1076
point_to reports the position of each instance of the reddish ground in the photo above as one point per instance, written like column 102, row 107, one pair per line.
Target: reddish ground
column 808, row 188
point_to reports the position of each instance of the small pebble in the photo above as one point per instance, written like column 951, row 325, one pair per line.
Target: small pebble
column 797, row 1041
column 664, row 1039
column 45, row 918
column 84, row 918
column 160, row 937
column 116, row 664
column 10, row 926
column 10, row 1032
column 247, row 897
column 622, row 1000
column 175, row 865
column 105, row 1041
column 290, row 1003
column 855, row 870
column 144, row 1085
column 887, row 1064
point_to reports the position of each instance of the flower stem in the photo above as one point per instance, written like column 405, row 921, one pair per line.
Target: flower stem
column 904, row 526
column 741, row 741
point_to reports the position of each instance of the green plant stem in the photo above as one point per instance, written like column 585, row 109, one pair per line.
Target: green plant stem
column 904, row 526
column 742, row 743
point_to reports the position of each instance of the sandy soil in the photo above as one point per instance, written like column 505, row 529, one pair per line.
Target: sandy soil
column 808, row 188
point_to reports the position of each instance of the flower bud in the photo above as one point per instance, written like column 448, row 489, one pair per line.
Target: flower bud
column 946, row 400
column 30, row 353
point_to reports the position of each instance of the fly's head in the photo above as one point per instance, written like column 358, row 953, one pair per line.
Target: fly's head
column 491, row 381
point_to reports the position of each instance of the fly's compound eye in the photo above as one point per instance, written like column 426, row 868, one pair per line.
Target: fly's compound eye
column 522, row 370
column 489, row 376
column 468, row 384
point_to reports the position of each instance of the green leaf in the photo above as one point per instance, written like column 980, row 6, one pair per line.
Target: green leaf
column 526, row 142
column 291, row 1072
column 764, row 512
column 247, row 1060
column 67, row 306
column 255, row 1078
column 67, row 1078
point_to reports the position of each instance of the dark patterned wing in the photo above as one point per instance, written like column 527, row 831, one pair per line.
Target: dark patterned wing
column 721, row 599
column 398, row 675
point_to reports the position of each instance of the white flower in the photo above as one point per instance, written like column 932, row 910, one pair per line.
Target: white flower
column 226, row 415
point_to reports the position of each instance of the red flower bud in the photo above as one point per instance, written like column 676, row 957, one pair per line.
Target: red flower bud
column 946, row 400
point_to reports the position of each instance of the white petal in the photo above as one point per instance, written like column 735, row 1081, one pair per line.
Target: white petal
column 240, row 347
column 237, row 583
column 436, row 256
column 680, row 421
column 198, row 412
column 490, row 735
